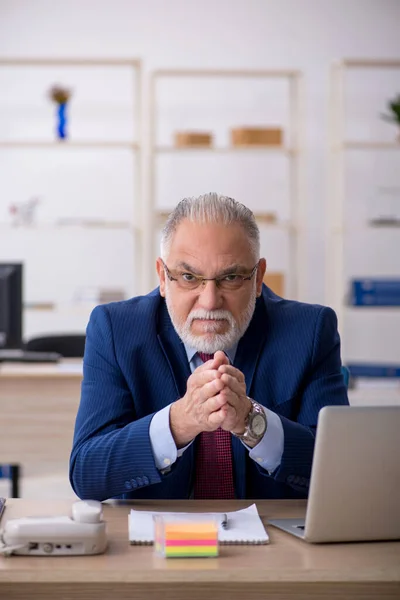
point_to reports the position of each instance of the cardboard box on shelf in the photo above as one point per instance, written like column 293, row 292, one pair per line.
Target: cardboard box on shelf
column 256, row 136
column 266, row 218
column 275, row 281
column 192, row 138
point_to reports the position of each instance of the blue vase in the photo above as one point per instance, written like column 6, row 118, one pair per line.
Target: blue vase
column 62, row 121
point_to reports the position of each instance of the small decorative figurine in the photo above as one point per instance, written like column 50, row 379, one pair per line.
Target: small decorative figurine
column 24, row 213
column 61, row 96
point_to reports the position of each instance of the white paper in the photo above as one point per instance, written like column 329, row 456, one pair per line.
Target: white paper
column 244, row 526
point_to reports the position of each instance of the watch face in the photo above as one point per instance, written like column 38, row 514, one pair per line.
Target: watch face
column 258, row 425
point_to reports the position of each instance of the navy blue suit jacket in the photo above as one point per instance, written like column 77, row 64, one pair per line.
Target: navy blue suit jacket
column 135, row 364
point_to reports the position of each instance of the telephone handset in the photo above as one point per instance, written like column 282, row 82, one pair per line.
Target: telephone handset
column 84, row 532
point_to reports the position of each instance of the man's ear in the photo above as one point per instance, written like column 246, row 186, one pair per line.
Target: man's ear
column 262, row 266
column 161, row 275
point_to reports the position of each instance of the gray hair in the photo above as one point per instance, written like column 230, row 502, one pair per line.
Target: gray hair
column 211, row 208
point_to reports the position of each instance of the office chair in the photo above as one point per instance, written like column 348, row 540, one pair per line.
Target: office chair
column 68, row 345
column 11, row 472
column 346, row 376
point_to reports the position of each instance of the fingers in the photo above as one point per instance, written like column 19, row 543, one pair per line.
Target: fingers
column 219, row 359
column 237, row 409
column 230, row 370
column 233, row 384
column 200, row 378
column 214, row 398
column 217, row 418
column 215, row 403
column 225, row 417
column 208, row 371
column 209, row 390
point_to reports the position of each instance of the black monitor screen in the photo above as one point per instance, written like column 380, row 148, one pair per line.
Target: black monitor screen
column 10, row 305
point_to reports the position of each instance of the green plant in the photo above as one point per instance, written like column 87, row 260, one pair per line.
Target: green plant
column 394, row 107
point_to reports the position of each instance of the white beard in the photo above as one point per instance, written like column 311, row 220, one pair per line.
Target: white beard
column 210, row 342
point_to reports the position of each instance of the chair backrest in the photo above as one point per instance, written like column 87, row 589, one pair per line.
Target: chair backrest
column 346, row 375
column 68, row 345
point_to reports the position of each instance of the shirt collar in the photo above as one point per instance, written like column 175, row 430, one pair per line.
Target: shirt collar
column 231, row 352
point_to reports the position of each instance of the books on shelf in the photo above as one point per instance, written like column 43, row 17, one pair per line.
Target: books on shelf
column 375, row 292
column 374, row 370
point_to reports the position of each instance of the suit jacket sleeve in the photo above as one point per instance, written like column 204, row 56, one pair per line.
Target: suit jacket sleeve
column 111, row 451
column 324, row 385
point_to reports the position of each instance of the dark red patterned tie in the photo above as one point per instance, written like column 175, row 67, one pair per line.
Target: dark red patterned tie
column 214, row 472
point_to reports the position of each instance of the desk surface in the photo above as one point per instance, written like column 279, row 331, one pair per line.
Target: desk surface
column 286, row 568
column 66, row 368
column 38, row 406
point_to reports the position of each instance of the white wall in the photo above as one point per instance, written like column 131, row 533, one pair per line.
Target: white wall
column 302, row 34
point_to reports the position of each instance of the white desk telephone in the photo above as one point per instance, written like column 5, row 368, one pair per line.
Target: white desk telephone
column 82, row 533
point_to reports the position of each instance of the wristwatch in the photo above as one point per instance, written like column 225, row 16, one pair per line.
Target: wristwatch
column 255, row 425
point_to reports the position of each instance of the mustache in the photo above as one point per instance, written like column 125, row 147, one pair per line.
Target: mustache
column 210, row 315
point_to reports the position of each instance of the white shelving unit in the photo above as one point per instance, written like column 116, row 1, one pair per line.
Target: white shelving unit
column 65, row 231
column 366, row 324
column 294, row 226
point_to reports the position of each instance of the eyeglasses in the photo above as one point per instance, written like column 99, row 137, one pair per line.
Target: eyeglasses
column 228, row 282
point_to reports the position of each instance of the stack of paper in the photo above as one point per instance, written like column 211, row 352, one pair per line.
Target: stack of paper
column 243, row 526
column 176, row 538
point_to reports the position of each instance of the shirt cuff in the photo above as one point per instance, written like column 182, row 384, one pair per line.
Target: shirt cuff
column 269, row 450
column 162, row 443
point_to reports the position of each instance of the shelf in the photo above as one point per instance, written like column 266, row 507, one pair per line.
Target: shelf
column 69, row 144
column 224, row 73
column 360, row 145
column 263, row 219
column 94, row 229
column 368, row 333
column 289, row 153
column 371, row 310
column 374, row 63
column 70, row 62
column 223, row 150
column 80, row 308
column 88, row 224
column 117, row 225
column 359, row 229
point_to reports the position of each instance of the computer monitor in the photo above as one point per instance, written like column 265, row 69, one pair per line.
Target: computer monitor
column 11, row 305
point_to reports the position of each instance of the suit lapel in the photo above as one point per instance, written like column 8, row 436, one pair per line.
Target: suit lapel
column 174, row 351
column 251, row 344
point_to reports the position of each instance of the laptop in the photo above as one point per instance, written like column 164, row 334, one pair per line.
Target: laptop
column 355, row 478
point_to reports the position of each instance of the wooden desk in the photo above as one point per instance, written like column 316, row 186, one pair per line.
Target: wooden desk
column 38, row 406
column 286, row 568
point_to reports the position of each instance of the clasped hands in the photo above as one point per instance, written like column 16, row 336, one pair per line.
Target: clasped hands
column 215, row 397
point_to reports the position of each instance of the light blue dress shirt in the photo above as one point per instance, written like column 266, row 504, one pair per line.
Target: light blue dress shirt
column 267, row 453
